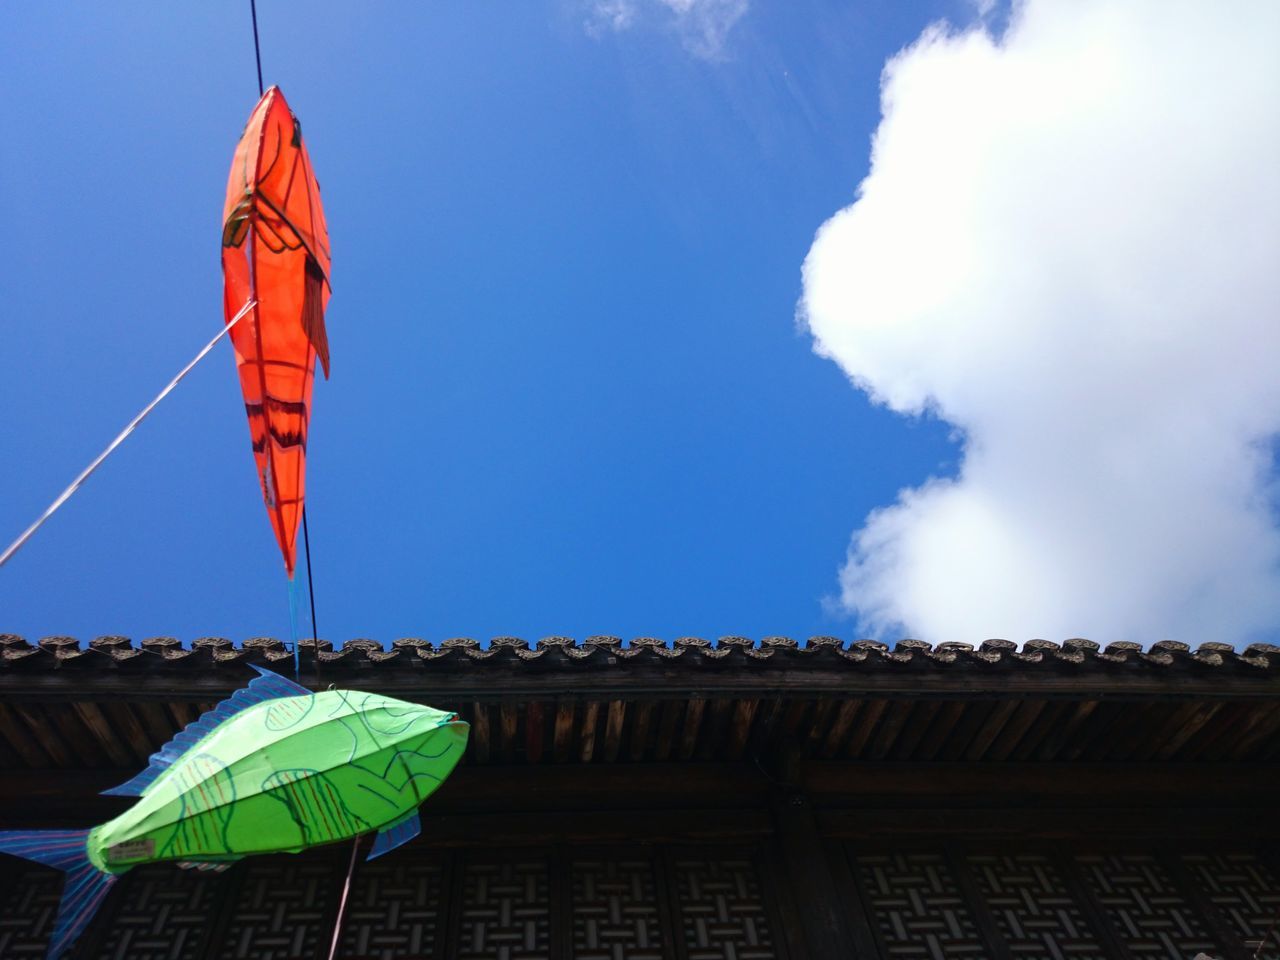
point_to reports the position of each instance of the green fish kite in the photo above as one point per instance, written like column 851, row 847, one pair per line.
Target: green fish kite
column 274, row 768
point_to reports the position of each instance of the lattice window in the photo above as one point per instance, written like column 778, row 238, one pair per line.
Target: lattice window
column 28, row 911
column 394, row 911
column 722, row 911
column 918, row 906
column 1146, row 908
column 280, row 910
column 615, row 910
column 1241, row 886
column 161, row 916
column 506, row 911
column 1034, row 909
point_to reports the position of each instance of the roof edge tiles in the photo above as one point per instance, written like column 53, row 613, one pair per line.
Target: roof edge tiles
column 1258, row 658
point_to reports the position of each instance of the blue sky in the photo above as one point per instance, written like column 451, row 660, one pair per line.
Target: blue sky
column 605, row 273
column 569, row 393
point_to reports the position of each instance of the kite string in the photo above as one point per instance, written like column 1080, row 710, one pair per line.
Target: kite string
column 293, row 628
column 257, row 51
column 132, row 425
column 342, row 904
column 311, row 591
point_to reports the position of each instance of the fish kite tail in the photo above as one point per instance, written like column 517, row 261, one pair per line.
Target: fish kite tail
column 87, row 885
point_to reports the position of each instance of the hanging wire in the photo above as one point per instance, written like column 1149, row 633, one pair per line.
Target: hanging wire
column 311, row 591
column 132, row 425
column 257, row 50
column 342, row 903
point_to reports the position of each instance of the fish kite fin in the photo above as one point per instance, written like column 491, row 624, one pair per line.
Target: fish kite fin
column 86, row 885
column 265, row 686
column 396, row 834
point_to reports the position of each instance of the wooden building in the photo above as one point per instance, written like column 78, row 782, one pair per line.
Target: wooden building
column 706, row 801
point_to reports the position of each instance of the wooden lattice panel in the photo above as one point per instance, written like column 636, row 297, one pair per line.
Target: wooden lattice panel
column 918, row 906
column 1246, row 892
column 506, row 911
column 722, row 910
column 280, row 910
column 1146, row 908
column 615, row 910
column 1034, row 909
column 162, row 914
column 27, row 913
column 393, row 911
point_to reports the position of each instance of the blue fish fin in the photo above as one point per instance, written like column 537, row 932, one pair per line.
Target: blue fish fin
column 395, row 834
column 86, row 885
column 266, row 686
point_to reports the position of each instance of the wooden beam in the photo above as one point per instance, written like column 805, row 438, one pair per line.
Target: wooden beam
column 587, row 738
column 533, row 732
column 665, row 744
column 1066, row 730
column 16, row 732
column 1190, row 727
column 1220, row 926
column 43, row 732
column 1049, row 720
column 92, row 717
column 717, row 728
column 129, row 730
column 562, row 736
column 744, row 712
column 156, row 723
column 1081, row 890
column 990, row 729
column 65, row 720
column 984, row 920
column 867, row 720
column 941, row 728
column 917, row 726
column 895, row 720
column 1015, row 729
column 692, row 724
column 644, row 678
column 956, row 797
column 479, row 742
column 822, row 917
column 1109, row 825
column 615, row 716
column 508, row 722
column 845, row 715
column 640, row 728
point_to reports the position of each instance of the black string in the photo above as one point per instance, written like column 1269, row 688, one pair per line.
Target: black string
column 257, row 52
column 311, row 590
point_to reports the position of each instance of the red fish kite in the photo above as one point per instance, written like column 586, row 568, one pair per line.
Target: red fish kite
column 275, row 250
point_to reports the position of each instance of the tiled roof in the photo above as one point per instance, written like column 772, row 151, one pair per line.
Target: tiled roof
column 599, row 649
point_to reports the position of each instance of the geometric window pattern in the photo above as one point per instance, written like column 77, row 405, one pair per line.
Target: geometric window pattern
column 506, row 911
column 722, row 909
column 393, row 912
column 1244, row 891
column 1034, row 909
column 919, row 906
column 634, row 902
column 1146, row 908
column 615, row 910
column 280, row 909
column 162, row 915
column 27, row 908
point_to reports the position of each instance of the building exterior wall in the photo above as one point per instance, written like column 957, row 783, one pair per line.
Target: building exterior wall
column 642, row 901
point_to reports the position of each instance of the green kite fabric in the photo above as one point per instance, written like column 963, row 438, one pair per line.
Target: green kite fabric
column 275, row 768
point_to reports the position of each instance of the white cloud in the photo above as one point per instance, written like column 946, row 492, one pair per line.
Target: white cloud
column 703, row 25
column 1068, row 246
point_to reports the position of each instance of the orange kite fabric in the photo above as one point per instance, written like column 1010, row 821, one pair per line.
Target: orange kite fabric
column 275, row 249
